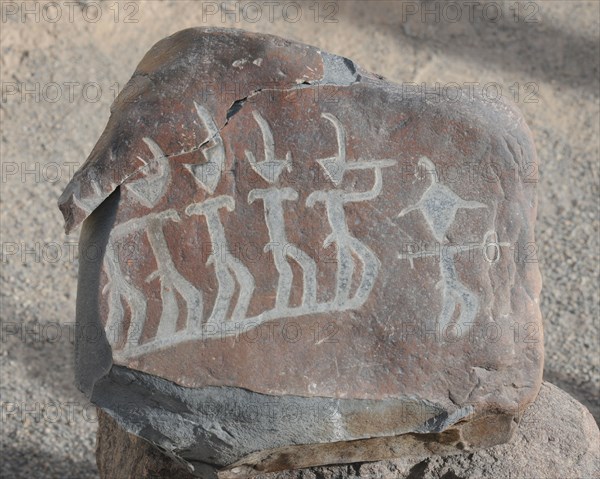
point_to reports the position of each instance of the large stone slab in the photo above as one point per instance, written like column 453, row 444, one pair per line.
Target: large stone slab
column 280, row 250
column 557, row 437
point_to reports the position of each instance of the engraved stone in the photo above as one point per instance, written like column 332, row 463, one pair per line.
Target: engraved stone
column 280, row 251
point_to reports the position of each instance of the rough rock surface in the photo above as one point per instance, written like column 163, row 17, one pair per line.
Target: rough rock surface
column 121, row 455
column 557, row 438
column 309, row 237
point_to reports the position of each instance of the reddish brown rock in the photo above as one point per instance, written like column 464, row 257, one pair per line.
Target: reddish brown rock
column 271, row 225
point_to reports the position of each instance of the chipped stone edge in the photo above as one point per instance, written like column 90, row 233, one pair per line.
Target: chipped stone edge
column 337, row 71
column 165, row 414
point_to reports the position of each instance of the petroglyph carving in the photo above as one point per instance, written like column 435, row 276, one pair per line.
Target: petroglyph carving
column 171, row 281
column 118, row 288
column 345, row 243
column 208, row 174
column 149, row 189
column 309, row 157
column 227, row 269
column 455, row 293
column 273, row 199
column 490, row 240
column 439, row 205
column 270, row 168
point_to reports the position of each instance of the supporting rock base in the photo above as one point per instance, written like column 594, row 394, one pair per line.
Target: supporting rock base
column 557, row 437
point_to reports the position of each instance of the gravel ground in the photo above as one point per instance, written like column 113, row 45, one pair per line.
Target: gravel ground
column 60, row 75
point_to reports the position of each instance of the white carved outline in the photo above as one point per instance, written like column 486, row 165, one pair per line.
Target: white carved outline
column 208, row 174
column 270, row 168
column 230, row 270
column 170, row 279
column 334, row 201
column 230, row 266
column 149, row 189
column 273, row 199
column 439, row 205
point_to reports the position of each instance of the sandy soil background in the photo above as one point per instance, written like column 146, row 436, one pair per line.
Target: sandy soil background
column 60, row 74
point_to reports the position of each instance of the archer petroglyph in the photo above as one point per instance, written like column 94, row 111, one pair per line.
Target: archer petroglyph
column 334, row 201
column 266, row 262
column 231, row 274
column 439, row 205
column 355, row 261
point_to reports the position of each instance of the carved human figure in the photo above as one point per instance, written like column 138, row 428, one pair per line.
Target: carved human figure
column 118, row 290
column 282, row 249
column 439, row 205
column 144, row 190
column 270, row 169
column 228, row 269
column 151, row 187
column 171, row 280
column 346, row 244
